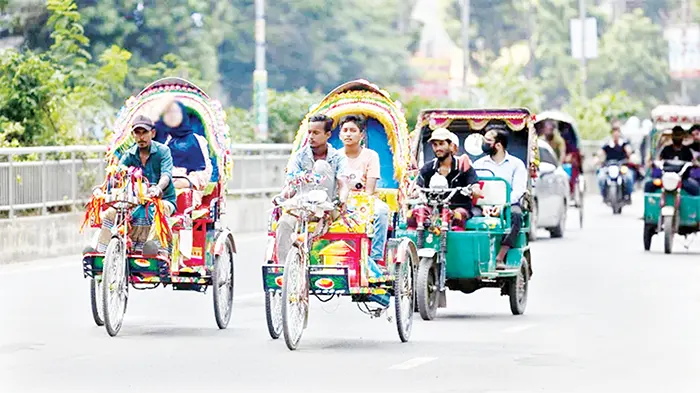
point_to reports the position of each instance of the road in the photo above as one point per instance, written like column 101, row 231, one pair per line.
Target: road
column 603, row 315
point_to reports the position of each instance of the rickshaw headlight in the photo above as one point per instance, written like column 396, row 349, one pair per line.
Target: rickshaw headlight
column 670, row 181
column 657, row 182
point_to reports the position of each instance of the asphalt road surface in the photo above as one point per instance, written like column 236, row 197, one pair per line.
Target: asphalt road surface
column 603, row 316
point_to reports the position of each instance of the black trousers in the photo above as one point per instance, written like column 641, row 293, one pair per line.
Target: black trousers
column 516, row 224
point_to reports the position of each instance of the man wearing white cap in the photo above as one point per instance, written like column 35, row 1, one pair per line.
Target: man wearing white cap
column 446, row 164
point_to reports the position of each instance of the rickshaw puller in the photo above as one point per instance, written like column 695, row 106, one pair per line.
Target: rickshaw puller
column 446, row 164
column 156, row 163
column 513, row 170
column 321, row 158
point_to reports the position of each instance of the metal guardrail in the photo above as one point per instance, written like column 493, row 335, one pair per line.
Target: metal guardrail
column 44, row 178
column 63, row 176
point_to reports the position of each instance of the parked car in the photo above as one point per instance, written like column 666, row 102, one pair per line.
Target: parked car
column 551, row 194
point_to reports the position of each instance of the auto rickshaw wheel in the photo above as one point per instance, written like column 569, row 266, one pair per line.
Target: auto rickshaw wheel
column 649, row 232
column 222, row 283
column 96, row 301
column 518, row 288
column 558, row 231
column 668, row 234
column 427, row 288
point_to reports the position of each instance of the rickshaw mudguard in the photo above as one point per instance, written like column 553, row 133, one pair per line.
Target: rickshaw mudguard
column 220, row 242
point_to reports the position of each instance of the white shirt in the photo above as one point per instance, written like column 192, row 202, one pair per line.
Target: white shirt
column 512, row 169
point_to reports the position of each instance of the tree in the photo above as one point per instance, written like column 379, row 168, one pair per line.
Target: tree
column 593, row 116
column 632, row 58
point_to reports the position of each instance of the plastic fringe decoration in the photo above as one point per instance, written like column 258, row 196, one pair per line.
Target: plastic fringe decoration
column 162, row 229
column 92, row 212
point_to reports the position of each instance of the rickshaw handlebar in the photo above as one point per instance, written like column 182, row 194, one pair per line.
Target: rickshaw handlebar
column 453, row 191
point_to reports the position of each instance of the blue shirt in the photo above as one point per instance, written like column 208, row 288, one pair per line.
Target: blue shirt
column 159, row 163
column 304, row 161
column 511, row 169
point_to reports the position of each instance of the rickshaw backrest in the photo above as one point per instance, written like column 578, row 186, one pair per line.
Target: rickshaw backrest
column 377, row 141
column 495, row 192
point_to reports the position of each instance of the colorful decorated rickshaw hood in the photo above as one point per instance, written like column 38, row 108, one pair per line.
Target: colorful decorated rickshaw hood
column 149, row 102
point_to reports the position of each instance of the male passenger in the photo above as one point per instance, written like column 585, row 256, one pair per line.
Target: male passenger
column 513, row 170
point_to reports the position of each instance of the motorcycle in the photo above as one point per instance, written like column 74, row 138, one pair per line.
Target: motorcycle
column 615, row 184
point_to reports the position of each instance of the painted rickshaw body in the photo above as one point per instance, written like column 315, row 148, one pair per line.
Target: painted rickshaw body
column 337, row 263
column 210, row 259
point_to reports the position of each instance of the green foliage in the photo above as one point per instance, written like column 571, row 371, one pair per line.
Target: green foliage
column 507, row 87
column 593, row 116
column 632, row 58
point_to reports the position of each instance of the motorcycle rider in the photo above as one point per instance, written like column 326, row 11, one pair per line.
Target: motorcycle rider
column 618, row 149
column 677, row 151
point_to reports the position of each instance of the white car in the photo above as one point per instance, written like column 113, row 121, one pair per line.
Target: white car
column 551, row 194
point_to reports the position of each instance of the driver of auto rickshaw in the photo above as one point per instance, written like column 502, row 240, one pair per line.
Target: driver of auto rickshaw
column 675, row 151
column 446, row 164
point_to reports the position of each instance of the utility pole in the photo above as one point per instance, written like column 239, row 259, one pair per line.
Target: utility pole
column 260, row 74
column 685, row 17
column 465, row 47
column 582, row 15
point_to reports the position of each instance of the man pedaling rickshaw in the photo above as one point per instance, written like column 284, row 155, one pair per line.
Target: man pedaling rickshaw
column 458, row 173
column 321, row 158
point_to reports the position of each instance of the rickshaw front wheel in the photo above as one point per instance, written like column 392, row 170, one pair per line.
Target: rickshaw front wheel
column 404, row 298
column 427, row 289
column 295, row 298
column 222, row 283
column 115, row 286
column 668, row 234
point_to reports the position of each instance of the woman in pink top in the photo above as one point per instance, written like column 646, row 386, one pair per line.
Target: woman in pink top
column 363, row 175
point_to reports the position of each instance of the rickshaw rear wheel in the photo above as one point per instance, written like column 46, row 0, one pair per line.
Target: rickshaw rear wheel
column 114, row 258
column 668, row 234
column 294, row 275
column 222, row 283
column 426, row 289
column 97, row 301
column 404, row 293
column 518, row 288
column 273, row 313
column 649, row 232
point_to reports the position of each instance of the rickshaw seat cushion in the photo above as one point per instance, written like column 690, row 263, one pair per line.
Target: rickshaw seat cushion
column 495, row 193
column 184, row 199
column 484, row 223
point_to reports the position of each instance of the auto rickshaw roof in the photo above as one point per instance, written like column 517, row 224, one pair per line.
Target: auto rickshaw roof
column 668, row 116
column 555, row 115
column 516, row 118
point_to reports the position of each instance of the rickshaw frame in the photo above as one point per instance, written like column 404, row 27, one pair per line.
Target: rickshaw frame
column 477, row 245
column 346, row 273
column 213, row 245
column 673, row 212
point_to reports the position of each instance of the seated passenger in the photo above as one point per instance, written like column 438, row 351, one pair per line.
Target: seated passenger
column 552, row 136
column 446, row 164
column 363, row 174
column 192, row 166
column 513, row 170
column 677, row 151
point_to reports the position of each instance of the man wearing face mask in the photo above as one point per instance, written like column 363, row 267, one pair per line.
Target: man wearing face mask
column 677, row 151
column 513, row 170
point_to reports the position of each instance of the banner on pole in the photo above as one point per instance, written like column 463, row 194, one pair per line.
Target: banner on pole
column 591, row 45
column 683, row 51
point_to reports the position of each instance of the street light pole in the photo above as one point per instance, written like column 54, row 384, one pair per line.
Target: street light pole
column 260, row 74
column 582, row 15
column 465, row 47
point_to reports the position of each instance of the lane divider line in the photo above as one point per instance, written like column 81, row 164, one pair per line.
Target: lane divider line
column 409, row 364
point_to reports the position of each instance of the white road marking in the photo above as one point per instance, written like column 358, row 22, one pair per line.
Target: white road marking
column 415, row 362
column 519, row 328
